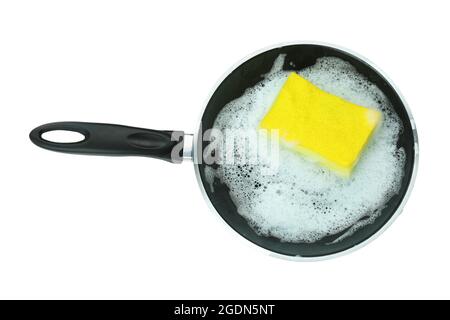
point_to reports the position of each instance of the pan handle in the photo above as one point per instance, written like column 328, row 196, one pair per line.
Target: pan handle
column 114, row 140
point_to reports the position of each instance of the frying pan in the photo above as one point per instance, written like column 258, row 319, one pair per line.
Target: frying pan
column 174, row 146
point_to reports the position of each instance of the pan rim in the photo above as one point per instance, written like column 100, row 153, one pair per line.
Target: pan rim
column 363, row 243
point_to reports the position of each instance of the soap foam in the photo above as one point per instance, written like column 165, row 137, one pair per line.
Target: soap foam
column 303, row 201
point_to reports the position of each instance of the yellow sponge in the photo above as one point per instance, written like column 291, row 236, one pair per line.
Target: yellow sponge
column 320, row 125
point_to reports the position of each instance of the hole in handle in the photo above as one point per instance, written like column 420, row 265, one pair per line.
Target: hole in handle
column 63, row 136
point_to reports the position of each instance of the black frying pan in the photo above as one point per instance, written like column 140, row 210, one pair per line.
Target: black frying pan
column 108, row 139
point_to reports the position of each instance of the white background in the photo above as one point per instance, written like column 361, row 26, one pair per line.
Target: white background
column 98, row 227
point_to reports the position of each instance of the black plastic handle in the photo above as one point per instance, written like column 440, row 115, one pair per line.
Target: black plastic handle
column 114, row 140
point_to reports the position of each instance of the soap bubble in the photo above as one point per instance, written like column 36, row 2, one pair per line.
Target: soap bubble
column 302, row 201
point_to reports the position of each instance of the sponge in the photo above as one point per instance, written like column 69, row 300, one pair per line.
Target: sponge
column 321, row 126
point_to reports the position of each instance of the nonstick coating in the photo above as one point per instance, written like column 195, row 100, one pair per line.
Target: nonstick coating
column 251, row 72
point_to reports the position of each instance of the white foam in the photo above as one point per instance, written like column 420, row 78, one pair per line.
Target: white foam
column 302, row 201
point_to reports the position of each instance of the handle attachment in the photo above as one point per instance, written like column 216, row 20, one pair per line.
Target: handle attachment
column 114, row 140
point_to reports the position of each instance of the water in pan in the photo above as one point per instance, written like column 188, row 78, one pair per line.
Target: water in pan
column 301, row 201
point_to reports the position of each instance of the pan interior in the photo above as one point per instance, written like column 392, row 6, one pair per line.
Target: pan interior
column 247, row 75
